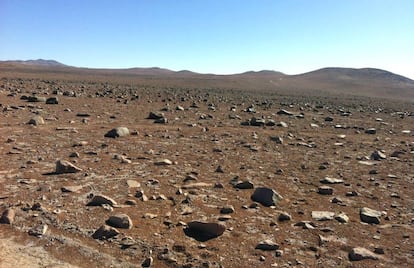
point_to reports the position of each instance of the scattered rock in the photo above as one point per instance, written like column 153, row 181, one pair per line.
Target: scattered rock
column 163, row 162
column 227, row 210
column 284, row 216
column 7, row 216
column 155, row 115
column 359, row 254
column 267, row 245
column 342, row 217
column 71, row 189
column 266, row 196
column 371, row 131
column 378, row 155
column 39, row 230
column 325, row 190
column 105, row 232
column 52, row 100
column 147, row 262
column 329, row 180
column 120, row 221
column 203, row 231
column 37, row 120
column 117, row 132
column 98, row 200
column 322, row 215
column 63, row 166
column 369, row 215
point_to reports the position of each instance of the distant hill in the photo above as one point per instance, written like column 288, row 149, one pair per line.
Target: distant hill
column 338, row 81
column 38, row 62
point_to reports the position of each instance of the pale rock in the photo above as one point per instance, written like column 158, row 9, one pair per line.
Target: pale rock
column 63, row 166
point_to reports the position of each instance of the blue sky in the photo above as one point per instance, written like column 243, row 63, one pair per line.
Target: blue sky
column 212, row 36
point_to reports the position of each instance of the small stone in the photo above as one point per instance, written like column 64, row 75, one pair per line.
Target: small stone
column 358, row 254
column 71, row 189
column 328, row 180
column 266, row 196
column 371, row 131
column 227, row 210
column 7, row 216
column 163, row 162
column 325, row 190
column 120, row 221
column 378, row 155
column 117, row 132
column 98, row 200
column 147, row 262
column 105, row 232
column 267, row 245
column 342, row 217
column 63, row 166
column 155, row 115
column 203, row 231
column 322, row 215
column 369, row 215
column 39, row 230
column 37, row 120
column 277, row 139
column 52, row 100
column 244, row 185
column 133, row 184
column 284, row 216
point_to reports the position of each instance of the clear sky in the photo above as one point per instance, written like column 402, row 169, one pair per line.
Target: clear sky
column 212, row 36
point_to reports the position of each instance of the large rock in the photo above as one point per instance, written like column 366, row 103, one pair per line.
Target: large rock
column 105, row 232
column 369, row 215
column 8, row 216
column 266, row 196
column 359, row 254
column 117, row 132
column 203, row 231
column 63, row 166
column 120, row 221
column 98, row 200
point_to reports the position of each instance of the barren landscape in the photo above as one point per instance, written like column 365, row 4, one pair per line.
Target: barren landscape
column 154, row 168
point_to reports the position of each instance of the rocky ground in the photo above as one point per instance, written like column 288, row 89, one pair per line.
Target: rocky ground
column 111, row 175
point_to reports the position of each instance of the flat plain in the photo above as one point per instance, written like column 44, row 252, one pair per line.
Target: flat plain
column 203, row 170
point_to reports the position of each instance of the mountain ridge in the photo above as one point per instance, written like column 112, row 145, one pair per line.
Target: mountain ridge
column 370, row 82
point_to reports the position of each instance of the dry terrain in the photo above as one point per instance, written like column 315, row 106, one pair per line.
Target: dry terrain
column 281, row 178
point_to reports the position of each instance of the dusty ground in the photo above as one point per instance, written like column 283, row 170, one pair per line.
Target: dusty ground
column 198, row 140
